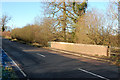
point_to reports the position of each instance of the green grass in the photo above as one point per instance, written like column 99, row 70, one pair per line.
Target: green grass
column 8, row 74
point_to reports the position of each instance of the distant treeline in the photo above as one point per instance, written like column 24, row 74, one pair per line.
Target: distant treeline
column 45, row 32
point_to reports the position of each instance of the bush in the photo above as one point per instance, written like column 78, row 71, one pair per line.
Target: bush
column 43, row 35
column 34, row 33
column 23, row 34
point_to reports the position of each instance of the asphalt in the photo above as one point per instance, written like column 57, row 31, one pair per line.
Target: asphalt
column 40, row 63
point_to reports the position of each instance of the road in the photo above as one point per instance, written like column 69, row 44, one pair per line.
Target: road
column 40, row 63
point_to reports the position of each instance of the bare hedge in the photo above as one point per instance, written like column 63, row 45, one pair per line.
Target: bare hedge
column 33, row 33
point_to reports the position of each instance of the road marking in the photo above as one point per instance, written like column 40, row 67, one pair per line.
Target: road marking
column 16, row 65
column 93, row 74
column 40, row 54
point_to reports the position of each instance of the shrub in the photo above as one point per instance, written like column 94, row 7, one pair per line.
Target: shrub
column 43, row 35
column 34, row 33
column 26, row 34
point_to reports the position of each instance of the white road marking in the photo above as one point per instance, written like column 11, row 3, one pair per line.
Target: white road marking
column 17, row 65
column 40, row 54
column 93, row 74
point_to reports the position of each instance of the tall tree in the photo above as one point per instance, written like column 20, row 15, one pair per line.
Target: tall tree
column 66, row 13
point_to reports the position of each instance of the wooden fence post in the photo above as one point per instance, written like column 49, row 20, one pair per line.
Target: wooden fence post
column 108, row 51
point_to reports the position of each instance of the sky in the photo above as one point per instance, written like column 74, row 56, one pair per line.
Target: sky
column 23, row 13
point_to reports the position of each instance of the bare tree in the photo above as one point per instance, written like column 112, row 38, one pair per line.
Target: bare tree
column 113, row 16
column 66, row 13
column 4, row 21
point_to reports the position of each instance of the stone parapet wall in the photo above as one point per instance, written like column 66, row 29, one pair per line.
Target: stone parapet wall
column 81, row 48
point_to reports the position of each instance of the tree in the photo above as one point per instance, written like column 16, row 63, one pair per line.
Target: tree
column 118, row 24
column 4, row 21
column 92, row 28
column 113, row 13
column 66, row 13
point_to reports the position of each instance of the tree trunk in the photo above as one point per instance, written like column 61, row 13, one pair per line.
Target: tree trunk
column 64, row 21
column 3, row 28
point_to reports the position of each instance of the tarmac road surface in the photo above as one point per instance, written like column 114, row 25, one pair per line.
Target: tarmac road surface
column 40, row 63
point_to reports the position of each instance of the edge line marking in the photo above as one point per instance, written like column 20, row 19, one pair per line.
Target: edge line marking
column 93, row 74
column 16, row 65
column 40, row 54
